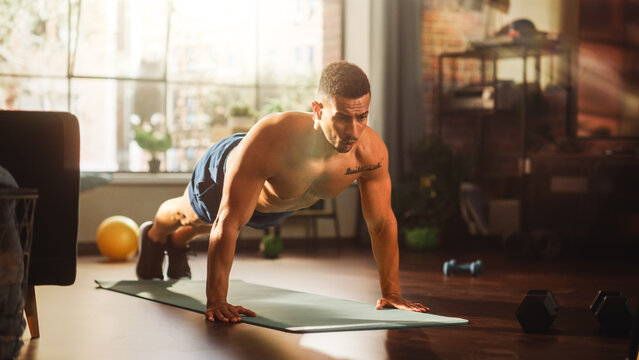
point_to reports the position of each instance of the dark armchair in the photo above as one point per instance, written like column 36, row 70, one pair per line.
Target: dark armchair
column 42, row 151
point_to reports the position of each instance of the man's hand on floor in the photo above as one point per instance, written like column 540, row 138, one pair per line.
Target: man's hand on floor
column 225, row 312
column 397, row 302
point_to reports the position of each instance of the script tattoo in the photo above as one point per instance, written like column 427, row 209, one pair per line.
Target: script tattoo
column 359, row 169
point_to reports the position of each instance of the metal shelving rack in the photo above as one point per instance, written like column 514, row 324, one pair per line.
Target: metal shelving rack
column 516, row 49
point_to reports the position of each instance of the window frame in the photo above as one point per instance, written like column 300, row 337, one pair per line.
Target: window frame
column 257, row 86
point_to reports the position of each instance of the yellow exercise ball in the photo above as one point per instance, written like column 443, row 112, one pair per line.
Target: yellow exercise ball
column 117, row 237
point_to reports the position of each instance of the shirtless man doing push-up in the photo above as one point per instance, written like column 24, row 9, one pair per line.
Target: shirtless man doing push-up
column 286, row 162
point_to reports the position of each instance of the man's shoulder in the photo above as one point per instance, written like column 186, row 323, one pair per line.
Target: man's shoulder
column 372, row 155
column 371, row 145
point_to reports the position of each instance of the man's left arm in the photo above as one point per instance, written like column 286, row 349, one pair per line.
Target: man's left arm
column 375, row 190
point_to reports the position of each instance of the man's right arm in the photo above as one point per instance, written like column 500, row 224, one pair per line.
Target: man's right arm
column 221, row 251
column 242, row 186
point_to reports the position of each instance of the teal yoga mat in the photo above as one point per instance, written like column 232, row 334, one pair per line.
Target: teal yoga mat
column 281, row 309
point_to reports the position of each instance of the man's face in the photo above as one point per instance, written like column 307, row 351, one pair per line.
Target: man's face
column 343, row 120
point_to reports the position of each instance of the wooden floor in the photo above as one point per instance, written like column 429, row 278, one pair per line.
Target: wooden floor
column 82, row 322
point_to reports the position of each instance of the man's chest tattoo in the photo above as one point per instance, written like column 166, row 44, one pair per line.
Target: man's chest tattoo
column 359, row 169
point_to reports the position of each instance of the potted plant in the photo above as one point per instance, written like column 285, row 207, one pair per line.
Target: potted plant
column 427, row 199
column 154, row 141
column 241, row 117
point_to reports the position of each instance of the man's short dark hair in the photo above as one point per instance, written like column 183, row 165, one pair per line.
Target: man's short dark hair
column 344, row 79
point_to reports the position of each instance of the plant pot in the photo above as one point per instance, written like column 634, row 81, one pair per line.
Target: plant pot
column 154, row 165
column 421, row 238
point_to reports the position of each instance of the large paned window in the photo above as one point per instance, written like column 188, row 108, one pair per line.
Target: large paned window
column 177, row 67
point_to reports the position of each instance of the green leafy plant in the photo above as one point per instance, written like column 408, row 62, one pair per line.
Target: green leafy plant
column 241, row 110
column 152, row 140
column 429, row 195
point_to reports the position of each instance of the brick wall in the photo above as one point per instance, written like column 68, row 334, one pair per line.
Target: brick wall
column 332, row 31
column 447, row 27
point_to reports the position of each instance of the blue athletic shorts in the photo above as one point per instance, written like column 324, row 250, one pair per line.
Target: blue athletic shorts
column 207, row 181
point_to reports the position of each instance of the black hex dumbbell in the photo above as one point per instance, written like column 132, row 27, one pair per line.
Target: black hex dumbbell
column 613, row 312
column 537, row 311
